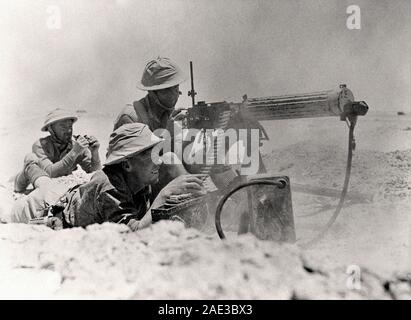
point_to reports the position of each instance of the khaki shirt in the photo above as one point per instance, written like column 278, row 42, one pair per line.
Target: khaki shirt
column 129, row 115
column 60, row 162
column 106, row 198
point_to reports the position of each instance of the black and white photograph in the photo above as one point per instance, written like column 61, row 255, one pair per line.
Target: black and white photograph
column 219, row 152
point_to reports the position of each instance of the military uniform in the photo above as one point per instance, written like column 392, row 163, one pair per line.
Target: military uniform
column 59, row 160
column 53, row 157
column 107, row 197
column 147, row 110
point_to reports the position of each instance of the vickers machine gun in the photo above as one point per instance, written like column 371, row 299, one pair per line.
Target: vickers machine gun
column 269, row 214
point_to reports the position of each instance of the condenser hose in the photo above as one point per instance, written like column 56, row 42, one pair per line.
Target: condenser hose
column 279, row 184
column 351, row 146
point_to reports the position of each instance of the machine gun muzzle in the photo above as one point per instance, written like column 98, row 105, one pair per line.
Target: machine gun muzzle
column 353, row 109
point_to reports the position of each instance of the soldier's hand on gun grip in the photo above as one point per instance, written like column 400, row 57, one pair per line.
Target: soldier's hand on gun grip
column 80, row 144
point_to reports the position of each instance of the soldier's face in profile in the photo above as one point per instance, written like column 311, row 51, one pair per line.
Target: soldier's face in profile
column 169, row 96
column 63, row 130
column 143, row 168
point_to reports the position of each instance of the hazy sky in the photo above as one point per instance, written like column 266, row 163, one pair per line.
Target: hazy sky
column 261, row 48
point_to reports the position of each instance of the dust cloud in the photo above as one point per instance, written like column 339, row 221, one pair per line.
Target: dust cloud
column 261, row 48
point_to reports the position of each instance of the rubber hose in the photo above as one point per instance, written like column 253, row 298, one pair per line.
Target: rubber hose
column 280, row 184
column 351, row 146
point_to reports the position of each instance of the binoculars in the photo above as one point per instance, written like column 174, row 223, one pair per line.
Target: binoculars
column 89, row 140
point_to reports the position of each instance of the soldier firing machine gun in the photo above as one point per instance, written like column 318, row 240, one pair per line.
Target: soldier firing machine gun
column 270, row 214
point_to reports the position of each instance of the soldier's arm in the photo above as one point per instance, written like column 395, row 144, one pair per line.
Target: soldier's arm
column 123, row 119
column 127, row 115
column 91, row 161
column 59, row 168
column 183, row 184
column 111, row 210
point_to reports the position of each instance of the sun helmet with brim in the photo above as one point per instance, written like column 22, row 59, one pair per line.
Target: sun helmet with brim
column 56, row 115
column 161, row 73
column 128, row 141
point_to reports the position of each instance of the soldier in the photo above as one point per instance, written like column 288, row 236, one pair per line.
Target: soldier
column 58, row 154
column 119, row 193
column 161, row 78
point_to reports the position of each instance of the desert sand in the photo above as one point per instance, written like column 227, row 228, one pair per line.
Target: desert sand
column 167, row 261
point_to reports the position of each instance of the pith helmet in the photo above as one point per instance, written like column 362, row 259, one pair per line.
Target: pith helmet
column 57, row 114
column 129, row 140
column 161, row 73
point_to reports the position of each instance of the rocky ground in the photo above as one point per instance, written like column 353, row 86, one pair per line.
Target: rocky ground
column 168, row 261
column 365, row 255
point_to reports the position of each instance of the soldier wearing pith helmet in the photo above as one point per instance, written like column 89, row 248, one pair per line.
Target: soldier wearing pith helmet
column 59, row 153
column 119, row 193
column 161, row 79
